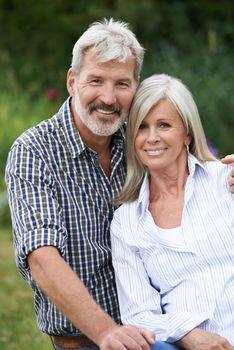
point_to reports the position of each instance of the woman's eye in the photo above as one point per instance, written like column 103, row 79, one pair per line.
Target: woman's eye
column 142, row 126
column 164, row 125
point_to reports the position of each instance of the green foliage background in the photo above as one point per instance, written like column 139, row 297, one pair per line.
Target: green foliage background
column 190, row 39
column 193, row 40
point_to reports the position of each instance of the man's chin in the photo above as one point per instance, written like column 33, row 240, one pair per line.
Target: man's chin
column 104, row 125
column 103, row 132
column 106, row 131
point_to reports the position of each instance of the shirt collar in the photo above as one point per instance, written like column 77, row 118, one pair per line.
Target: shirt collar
column 194, row 164
column 143, row 198
column 72, row 135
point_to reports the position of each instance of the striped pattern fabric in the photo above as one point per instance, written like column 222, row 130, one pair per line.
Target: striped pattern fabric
column 171, row 281
column 60, row 196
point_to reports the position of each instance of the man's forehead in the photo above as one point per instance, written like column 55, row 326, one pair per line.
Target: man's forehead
column 102, row 62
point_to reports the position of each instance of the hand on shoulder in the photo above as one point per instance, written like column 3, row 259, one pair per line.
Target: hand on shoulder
column 229, row 159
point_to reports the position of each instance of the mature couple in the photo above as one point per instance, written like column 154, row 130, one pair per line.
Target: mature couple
column 173, row 237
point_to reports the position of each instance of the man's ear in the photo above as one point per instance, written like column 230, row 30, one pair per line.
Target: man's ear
column 71, row 82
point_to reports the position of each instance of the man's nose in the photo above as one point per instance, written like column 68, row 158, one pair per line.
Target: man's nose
column 108, row 95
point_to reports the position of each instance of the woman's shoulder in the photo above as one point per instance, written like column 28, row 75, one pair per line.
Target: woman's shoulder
column 125, row 216
column 125, row 210
column 217, row 168
column 219, row 173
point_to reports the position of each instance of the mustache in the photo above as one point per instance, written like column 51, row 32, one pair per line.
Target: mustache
column 108, row 108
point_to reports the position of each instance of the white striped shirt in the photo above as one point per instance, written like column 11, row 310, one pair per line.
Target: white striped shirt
column 171, row 281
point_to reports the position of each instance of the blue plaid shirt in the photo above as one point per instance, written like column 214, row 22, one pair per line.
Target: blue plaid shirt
column 59, row 196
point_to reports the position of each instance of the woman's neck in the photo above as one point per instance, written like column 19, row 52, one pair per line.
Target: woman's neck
column 166, row 200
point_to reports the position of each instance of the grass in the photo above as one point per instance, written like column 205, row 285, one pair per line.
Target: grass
column 18, row 329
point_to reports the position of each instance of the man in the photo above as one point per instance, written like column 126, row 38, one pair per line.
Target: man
column 62, row 176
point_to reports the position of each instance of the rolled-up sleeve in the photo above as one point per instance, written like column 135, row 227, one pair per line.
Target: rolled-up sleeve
column 36, row 214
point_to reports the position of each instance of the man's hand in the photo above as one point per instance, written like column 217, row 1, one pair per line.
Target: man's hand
column 127, row 337
column 230, row 160
column 198, row 339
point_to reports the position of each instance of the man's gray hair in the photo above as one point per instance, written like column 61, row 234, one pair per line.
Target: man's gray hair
column 108, row 40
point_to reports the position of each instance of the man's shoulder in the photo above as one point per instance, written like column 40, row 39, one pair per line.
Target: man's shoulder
column 33, row 145
column 47, row 137
column 39, row 133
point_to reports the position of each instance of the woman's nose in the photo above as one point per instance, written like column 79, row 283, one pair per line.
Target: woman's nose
column 153, row 136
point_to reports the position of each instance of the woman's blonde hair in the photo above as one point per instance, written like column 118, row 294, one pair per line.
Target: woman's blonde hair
column 150, row 92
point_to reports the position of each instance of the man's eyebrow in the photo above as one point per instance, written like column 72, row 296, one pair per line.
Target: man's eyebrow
column 124, row 79
column 93, row 76
column 96, row 76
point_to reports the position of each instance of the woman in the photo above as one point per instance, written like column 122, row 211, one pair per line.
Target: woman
column 173, row 238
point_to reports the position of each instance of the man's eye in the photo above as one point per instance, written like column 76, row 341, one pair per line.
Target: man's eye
column 123, row 84
column 95, row 81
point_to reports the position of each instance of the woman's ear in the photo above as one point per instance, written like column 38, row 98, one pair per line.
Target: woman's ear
column 187, row 140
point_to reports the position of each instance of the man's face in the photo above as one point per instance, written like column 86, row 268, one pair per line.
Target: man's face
column 102, row 94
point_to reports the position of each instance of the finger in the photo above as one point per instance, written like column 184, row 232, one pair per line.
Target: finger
column 134, row 342
column 228, row 159
column 113, row 344
column 231, row 176
column 142, row 341
column 220, row 343
column 231, row 183
column 130, row 338
column 227, row 345
column 148, row 335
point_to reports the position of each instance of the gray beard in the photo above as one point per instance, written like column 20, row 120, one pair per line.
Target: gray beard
column 104, row 127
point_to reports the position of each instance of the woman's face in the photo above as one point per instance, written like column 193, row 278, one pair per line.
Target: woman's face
column 161, row 138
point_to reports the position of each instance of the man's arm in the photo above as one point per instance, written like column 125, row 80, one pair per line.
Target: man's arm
column 230, row 160
column 199, row 339
column 57, row 280
column 38, row 224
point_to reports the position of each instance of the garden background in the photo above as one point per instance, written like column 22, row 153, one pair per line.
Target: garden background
column 193, row 40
